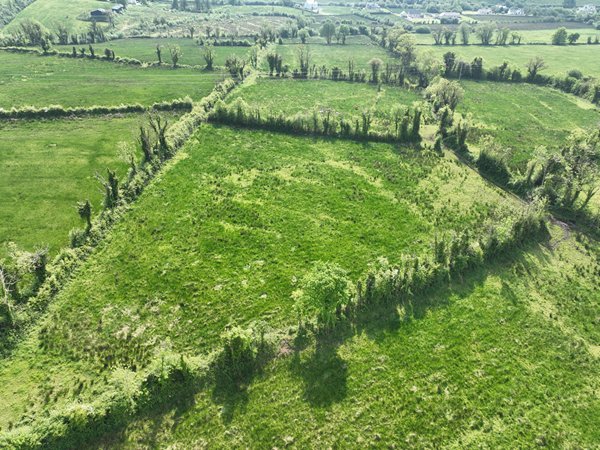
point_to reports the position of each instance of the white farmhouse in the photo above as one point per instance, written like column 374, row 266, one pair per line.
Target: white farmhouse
column 311, row 5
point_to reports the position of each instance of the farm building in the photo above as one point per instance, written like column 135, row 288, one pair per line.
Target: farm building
column 311, row 5
column 373, row 6
column 98, row 13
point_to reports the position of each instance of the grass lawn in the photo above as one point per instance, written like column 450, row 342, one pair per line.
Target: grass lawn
column 46, row 167
column 41, row 81
column 292, row 96
column 523, row 116
column 559, row 59
column 223, row 235
column 145, row 50
column 507, row 358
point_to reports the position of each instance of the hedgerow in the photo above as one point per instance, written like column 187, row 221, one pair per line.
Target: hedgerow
column 402, row 125
column 55, row 111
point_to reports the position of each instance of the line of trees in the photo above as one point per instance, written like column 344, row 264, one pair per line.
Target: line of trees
column 402, row 125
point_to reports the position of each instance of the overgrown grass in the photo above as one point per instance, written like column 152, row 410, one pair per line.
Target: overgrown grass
column 506, row 358
column 521, row 116
column 46, row 167
column 223, row 236
column 40, row 81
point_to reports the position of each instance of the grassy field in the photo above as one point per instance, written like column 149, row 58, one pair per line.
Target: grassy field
column 292, row 96
column 528, row 36
column 46, row 167
column 145, row 50
column 507, row 358
column 559, row 59
column 52, row 13
column 41, row 81
column 358, row 48
column 520, row 117
column 222, row 237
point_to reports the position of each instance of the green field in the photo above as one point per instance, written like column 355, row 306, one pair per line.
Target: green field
column 521, row 117
column 52, row 13
column 532, row 36
column 223, row 236
column 46, row 167
column 559, row 59
column 360, row 49
column 41, row 81
column 293, row 96
column 507, row 358
column 145, row 50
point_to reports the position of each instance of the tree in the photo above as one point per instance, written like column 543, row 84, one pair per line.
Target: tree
column 176, row 54
column 405, row 49
column 428, row 68
column 303, row 35
column 303, row 54
column 84, row 209
column 573, row 37
column 327, row 31
column 236, row 66
column 449, row 62
column 159, row 54
column 560, row 36
column 208, row 53
column 516, row 38
column 33, row 31
column 502, row 36
column 192, row 31
column 274, row 61
column 63, row 34
column 344, row 30
column 534, row 66
column 464, row 31
column 485, row 31
column 375, row 64
column 438, row 36
column 8, row 281
column 444, row 93
column 323, row 292
column 569, row 3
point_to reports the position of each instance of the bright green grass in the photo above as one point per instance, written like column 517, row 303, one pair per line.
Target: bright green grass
column 559, row 59
column 145, row 50
column 47, row 166
column 41, row 81
column 358, row 48
column 522, row 116
column 292, row 96
column 506, row 359
column 222, row 236
column 52, row 13
column 529, row 36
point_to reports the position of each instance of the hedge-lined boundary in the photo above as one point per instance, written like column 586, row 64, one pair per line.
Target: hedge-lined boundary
column 243, row 351
column 55, row 111
column 403, row 127
column 65, row 264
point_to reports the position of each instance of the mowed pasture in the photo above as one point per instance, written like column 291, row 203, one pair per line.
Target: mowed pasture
column 223, row 236
column 359, row 49
column 558, row 59
column 506, row 358
column 521, row 117
column 32, row 80
column 145, row 50
column 46, row 167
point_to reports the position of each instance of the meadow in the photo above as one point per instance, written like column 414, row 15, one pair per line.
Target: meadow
column 360, row 49
column 505, row 358
column 293, row 96
column 50, row 166
column 27, row 79
column 529, row 36
column 145, row 50
column 524, row 116
column 222, row 237
column 559, row 59
column 52, row 13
